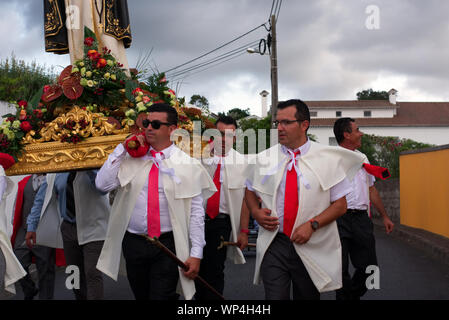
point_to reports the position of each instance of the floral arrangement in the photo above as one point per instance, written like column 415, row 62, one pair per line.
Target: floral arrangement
column 98, row 84
column 16, row 126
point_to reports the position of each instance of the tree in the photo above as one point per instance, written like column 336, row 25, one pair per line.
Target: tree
column 238, row 113
column 385, row 151
column 370, row 94
column 20, row 80
column 200, row 102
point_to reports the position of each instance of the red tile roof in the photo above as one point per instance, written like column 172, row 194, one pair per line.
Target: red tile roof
column 351, row 104
column 419, row 114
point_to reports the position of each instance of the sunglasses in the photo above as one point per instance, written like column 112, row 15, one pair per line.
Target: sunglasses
column 155, row 124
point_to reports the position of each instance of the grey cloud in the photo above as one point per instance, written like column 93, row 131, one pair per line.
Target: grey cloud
column 324, row 49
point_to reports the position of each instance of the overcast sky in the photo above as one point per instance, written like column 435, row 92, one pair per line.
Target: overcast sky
column 327, row 49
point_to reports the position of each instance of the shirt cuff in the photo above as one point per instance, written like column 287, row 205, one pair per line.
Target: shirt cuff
column 118, row 154
column 196, row 252
column 249, row 185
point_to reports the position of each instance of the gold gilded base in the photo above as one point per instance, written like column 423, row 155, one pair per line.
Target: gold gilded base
column 46, row 157
column 61, row 156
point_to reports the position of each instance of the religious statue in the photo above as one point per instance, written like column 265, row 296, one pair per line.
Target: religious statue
column 65, row 21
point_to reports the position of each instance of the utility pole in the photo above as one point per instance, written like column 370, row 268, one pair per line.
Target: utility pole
column 274, row 70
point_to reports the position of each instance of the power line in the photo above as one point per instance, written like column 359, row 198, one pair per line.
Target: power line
column 189, row 75
column 217, row 58
column 238, row 53
column 271, row 11
column 279, row 9
column 207, row 53
column 230, row 55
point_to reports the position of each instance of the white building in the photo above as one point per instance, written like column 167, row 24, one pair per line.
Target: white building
column 426, row 122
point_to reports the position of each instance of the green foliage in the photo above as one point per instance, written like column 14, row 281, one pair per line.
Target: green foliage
column 255, row 124
column 238, row 113
column 370, row 94
column 312, row 137
column 200, row 102
column 20, row 80
column 384, row 151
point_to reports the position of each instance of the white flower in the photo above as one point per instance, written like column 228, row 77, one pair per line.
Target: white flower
column 16, row 124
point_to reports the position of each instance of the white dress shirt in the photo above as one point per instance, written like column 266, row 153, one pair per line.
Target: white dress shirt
column 336, row 192
column 107, row 180
column 358, row 198
column 37, row 180
column 215, row 160
column 3, row 185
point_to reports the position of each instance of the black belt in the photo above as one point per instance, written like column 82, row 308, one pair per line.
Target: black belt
column 219, row 216
column 356, row 211
column 140, row 236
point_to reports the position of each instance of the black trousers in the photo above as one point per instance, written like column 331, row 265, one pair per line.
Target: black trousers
column 152, row 274
column 2, row 271
column 85, row 257
column 358, row 244
column 281, row 266
column 213, row 262
column 45, row 265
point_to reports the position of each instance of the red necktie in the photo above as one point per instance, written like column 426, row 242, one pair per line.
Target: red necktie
column 153, row 213
column 291, row 201
column 213, row 204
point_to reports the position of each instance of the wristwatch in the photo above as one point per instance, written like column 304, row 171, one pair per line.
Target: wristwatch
column 315, row 224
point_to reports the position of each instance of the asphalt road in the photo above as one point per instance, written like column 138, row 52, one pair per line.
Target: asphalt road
column 406, row 273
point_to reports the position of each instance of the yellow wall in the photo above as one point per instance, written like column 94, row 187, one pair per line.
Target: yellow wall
column 424, row 189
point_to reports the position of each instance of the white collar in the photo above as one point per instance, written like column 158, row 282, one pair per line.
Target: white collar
column 215, row 160
column 166, row 153
column 303, row 149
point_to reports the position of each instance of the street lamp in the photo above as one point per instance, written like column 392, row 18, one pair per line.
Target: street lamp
column 252, row 50
column 271, row 43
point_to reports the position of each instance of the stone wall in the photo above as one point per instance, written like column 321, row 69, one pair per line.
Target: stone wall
column 389, row 192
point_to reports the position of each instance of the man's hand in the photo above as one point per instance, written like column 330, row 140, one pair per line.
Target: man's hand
column 302, row 233
column 242, row 240
column 193, row 265
column 264, row 219
column 389, row 225
column 30, row 238
column 141, row 139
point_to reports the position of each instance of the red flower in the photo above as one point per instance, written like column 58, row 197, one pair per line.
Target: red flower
column 101, row 63
column 46, row 88
column 136, row 90
column 23, row 114
column 89, row 41
column 6, row 160
column 93, row 55
column 22, row 103
column 99, row 91
column 134, row 148
column 25, row 126
column 37, row 113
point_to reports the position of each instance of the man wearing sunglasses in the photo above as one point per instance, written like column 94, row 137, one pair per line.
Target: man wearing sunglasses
column 160, row 194
column 227, row 216
column 302, row 185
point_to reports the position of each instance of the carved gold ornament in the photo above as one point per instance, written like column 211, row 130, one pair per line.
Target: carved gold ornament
column 76, row 122
column 59, row 156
